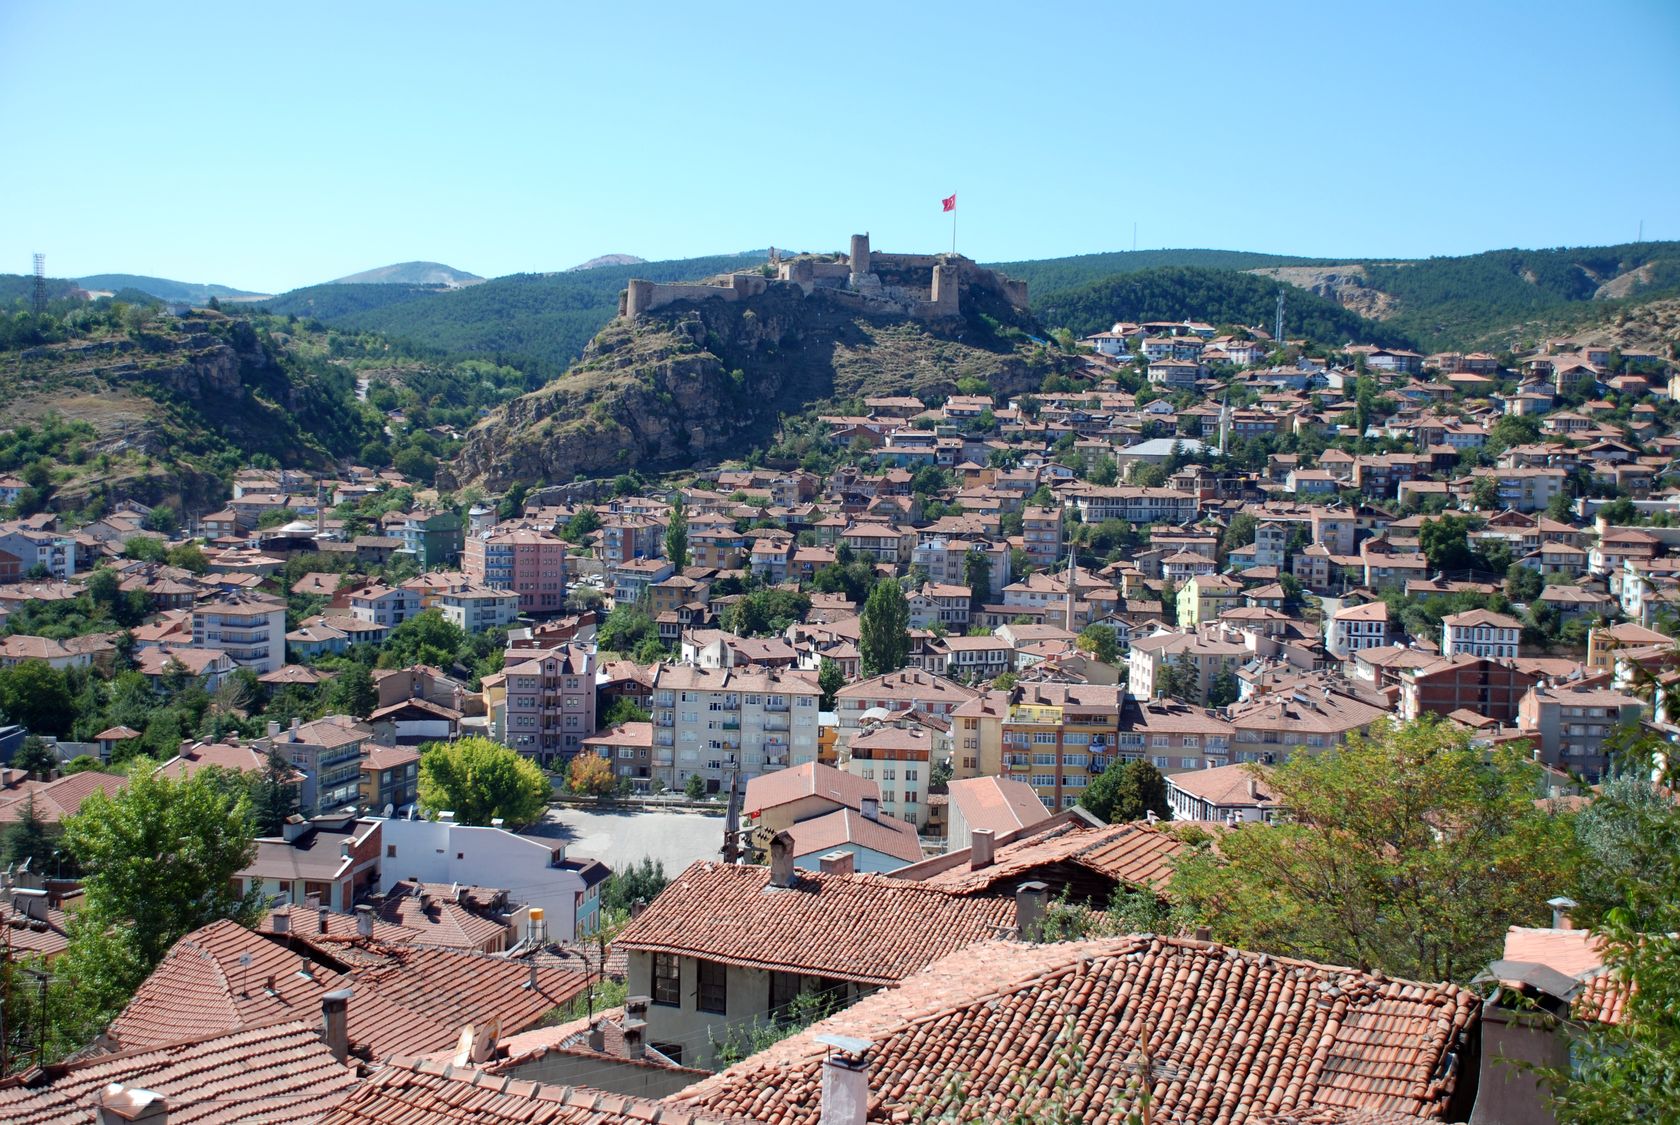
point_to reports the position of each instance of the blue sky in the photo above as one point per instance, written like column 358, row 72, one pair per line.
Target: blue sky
column 279, row 145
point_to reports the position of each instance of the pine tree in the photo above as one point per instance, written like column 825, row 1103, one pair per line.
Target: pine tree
column 884, row 629
column 676, row 536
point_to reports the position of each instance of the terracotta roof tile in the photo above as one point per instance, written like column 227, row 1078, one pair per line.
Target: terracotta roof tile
column 864, row 928
column 1138, row 855
column 1233, row 1036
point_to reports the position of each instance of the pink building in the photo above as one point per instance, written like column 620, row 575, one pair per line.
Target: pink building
column 530, row 563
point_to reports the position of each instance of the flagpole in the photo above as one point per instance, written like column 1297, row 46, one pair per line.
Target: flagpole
column 953, row 226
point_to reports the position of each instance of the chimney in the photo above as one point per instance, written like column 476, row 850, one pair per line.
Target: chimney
column 870, row 807
column 274, row 728
column 635, row 1007
column 292, row 735
column 32, row 904
column 293, row 827
column 635, row 1038
column 1561, row 906
column 781, row 860
column 837, row 863
column 1030, row 901
column 364, row 921
column 1203, row 934
column 129, row 1105
column 321, row 913
column 1254, row 789
column 845, row 1081
column 280, row 923
column 981, row 848
column 335, row 1023
column 531, row 984
column 597, row 1037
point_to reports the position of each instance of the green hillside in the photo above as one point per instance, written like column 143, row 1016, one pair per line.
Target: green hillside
column 1045, row 275
column 541, row 320
column 1211, row 295
column 162, row 287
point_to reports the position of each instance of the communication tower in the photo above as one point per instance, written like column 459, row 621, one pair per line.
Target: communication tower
column 39, row 301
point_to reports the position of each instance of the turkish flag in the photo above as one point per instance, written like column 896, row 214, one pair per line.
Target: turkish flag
column 950, row 202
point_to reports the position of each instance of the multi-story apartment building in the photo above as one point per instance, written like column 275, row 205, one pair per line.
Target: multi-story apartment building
column 433, row 537
column 549, row 704
column 723, row 723
column 1041, row 535
column 1054, row 737
column 1569, row 727
column 626, row 537
column 909, row 689
column 1357, row 627
column 934, row 603
column 946, row 560
column 1481, row 632
column 530, row 563
column 1204, row 654
column 1270, row 727
column 328, row 752
column 383, row 605
column 1203, row 597
column 390, row 778
column 478, row 610
column 1136, row 505
column 248, row 626
column 1481, row 686
column 899, row 760
column 1173, row 736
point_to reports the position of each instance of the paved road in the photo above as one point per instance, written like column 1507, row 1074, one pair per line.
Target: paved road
column 622, row 838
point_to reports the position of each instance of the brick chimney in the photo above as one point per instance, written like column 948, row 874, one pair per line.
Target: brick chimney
column 635, row 1007
column 782, row 872
column 597, row 1037
column 117, row 1104
column 981, row 848
column 335, row 1023
column 837, row 863
column 1561, row 906
column 1030, row 902
column 635, row 1037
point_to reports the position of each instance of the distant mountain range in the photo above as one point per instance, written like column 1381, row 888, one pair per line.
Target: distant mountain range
column 609, row 260
column 411, row 273
column 161, row 287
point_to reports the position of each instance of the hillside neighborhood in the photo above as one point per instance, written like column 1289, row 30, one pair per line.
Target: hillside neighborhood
column 980, row 697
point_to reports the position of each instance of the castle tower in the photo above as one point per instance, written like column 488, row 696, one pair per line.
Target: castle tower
column 945, row 278
column 859, row 259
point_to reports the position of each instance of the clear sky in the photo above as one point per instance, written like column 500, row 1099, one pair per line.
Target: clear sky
column 276, row 145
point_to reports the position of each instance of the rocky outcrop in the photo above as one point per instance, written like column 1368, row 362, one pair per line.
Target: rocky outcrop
column 696, row 382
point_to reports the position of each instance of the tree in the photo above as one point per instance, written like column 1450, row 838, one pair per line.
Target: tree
column 1446, row 543
column 1523, row 583
column 695, row 787
column 353, row 692
column 481, row 781
column 1223, row 687
column 1177, row 679
column 582, row 525
column 274, row 796
column 625, row 629
column 830, row 680
column 1127, row 791
column 1407, row 850
column 637, row 882
column 1101, row 642
column 625, row 709
column 676, row 536
column 159, row 859
column 37, row 696
column 29, row 839
column 591, row 775
column 1239, row 533
column 977, row 575
column 1484, row 494
column 884, row 629
column 35, row 758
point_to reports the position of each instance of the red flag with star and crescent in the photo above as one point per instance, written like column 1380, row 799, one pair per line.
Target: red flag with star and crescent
column 949, row 203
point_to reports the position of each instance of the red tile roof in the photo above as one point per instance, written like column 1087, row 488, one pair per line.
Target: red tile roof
column 998, row 803
column 277, row 1074
column 55, row 800
column 414, row 1000
column 864, row 928
column 1233, row 1036
column 436, row 1093
column 813, row 779
column 1137, row 855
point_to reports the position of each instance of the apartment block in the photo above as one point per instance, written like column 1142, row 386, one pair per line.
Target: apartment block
column 549, row 705
column 723, row 723
column 530, row 563
column 248, row 626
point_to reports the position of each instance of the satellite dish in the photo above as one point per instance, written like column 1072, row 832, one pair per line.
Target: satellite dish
column 389, row 809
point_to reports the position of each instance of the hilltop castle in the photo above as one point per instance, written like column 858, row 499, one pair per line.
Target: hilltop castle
column 923, row 286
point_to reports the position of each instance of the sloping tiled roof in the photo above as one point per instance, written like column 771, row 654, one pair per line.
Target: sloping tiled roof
column 1233, row 1037
column 277, row 1074
column 998, row 803
column 438, row 1094
column 415, row 1000
column 864, row 928
column 1138, row 855
column 813, row 779
column 885, row 834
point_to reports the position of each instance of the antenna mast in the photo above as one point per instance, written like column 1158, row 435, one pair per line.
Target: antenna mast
column 39, row 299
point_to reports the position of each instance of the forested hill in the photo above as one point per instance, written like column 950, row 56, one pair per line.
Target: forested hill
column 542, row 321
column 1212, row 295
column 162, row 288
column 1045, row 275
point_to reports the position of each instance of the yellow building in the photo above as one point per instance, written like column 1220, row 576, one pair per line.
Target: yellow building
column 1204, row 596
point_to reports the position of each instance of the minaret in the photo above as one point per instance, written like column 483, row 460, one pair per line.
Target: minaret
column 1224, row 423
column 1068, row 596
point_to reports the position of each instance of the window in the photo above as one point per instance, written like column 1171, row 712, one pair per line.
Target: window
column 667, row 980
column 390, row 851
column 713, row 996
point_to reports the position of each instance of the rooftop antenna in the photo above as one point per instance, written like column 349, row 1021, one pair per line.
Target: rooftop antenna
column 39, row 300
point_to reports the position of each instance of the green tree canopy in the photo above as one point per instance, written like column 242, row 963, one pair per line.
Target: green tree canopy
column 353, row 692
column 830, row 680
column 1407, row 850
column 480, row 781
column 884, row 629
column 1127, row 791
column 676, row 536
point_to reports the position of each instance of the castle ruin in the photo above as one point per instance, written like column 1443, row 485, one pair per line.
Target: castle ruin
column 921, row 286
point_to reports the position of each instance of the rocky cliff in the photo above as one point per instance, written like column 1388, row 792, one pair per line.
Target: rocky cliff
column 696, row 382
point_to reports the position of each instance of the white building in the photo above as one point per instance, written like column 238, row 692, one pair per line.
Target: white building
column 478, row 609
column 249, row 627
column 535, row 871
column 1481, row 633
column 719, row 722
column 1357, row 627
